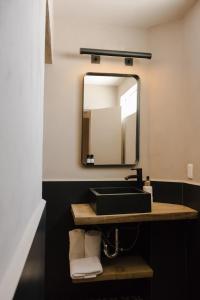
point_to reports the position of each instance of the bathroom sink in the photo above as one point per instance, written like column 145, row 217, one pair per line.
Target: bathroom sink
column 119, row 200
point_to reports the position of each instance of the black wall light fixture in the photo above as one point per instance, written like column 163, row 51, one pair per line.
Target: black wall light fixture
column 128, row 55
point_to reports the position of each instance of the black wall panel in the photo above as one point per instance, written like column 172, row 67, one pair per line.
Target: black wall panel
column 172, row 248
column 191, row 198
column 168, row 248
column 32, row 282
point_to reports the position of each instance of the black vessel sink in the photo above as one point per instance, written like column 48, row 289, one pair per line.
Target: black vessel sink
column 119, row 200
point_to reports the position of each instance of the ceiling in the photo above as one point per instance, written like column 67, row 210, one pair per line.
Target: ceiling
column 103, row 80
column 134, row 13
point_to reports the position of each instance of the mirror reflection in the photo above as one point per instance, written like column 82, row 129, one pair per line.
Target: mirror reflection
column 110, row 119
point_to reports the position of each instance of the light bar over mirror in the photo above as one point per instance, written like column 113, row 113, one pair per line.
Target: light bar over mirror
column 128, row 55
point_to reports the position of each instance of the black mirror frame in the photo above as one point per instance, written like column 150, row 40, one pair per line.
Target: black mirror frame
column 137, row 123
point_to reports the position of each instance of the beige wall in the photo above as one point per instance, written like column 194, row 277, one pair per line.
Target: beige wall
column 63, row 96
column 169, row 97
column 192, row 71
column 174, row 102
column 167, row 102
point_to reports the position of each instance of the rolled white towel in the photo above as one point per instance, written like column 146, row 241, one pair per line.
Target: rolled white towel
column 88, row 267
column 76, row 244
column 92, row 243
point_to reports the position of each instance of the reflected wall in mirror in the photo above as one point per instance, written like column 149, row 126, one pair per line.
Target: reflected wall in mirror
column 110, row 120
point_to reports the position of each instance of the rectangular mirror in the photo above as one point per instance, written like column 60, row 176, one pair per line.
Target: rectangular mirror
column 110, row 120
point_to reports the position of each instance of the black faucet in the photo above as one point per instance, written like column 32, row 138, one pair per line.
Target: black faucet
column 138, row 177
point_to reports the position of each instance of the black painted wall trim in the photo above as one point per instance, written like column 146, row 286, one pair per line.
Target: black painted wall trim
column 31, row 284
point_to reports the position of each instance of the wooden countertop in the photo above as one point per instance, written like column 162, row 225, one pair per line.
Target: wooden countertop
column 83, row 214
column 127, row 267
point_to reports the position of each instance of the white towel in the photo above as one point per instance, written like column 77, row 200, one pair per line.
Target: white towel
column 76, row 244
column 88, row 267
column 92, row 243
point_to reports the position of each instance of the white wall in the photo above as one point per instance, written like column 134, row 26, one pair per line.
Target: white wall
column 106, row 136
column 99, row 96
column 21, row 94
column 125, row 85
column 63, row 95
column 130, row 138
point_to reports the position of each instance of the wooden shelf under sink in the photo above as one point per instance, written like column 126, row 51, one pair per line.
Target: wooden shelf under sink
column 83, row 214
column 127, row 267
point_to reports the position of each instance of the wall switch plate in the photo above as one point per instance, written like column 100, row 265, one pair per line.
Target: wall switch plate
column 190, row 168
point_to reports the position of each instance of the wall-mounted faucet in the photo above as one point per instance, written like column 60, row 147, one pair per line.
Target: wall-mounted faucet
column 137, row 176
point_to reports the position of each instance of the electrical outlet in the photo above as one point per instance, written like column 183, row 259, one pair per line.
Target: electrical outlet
column 190, row 171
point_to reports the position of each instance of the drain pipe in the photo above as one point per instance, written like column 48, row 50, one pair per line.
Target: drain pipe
column 106, row 251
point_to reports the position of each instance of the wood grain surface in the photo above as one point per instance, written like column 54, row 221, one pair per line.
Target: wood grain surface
column 127, row 267
column 83, row 214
